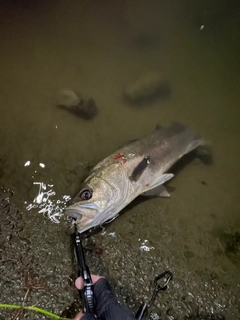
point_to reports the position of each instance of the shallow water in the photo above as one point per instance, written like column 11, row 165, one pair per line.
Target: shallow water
column 97, row 49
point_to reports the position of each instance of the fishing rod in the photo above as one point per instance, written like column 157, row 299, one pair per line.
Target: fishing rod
column 160, row 283
column 87, row 294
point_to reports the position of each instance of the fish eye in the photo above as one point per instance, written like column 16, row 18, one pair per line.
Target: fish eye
column 86, row 194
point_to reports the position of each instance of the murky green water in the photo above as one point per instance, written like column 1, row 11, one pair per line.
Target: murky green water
column 98, row 48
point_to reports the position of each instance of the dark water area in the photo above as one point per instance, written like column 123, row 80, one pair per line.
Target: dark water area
column 97, row 49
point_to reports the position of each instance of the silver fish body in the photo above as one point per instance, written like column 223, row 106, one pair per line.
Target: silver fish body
column 138, row 168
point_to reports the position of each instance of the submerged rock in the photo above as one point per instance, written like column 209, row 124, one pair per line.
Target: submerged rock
column 146, row 88
column 69, row 98
column 77, row 106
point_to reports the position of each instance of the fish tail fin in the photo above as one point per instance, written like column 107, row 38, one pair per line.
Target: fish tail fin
column 194, row 145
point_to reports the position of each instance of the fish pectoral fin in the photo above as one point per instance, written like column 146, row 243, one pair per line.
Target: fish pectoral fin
column 140, row 168
column 157, row 188
column 159, row 191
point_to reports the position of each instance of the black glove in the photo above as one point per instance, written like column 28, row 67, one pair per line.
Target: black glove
column 107, row 306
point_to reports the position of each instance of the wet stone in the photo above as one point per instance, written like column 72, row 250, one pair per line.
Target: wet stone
column 71, row 102
column 147, row 88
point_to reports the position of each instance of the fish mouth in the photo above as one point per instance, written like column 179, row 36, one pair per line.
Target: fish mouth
column 73, row 212
column 78, row 213
column 86, row 215
column 74, row 215
column 82, row 218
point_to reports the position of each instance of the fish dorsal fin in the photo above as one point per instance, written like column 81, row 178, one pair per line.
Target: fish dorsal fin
column 140, row 168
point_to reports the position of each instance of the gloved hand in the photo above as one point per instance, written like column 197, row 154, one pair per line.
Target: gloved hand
column 107, row 306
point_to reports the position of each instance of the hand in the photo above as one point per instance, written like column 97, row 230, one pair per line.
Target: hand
column 79, row 285
column 79, row 316
column 107, row 306
column 79, row 281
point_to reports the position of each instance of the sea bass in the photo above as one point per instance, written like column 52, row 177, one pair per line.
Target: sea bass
column 138, row 168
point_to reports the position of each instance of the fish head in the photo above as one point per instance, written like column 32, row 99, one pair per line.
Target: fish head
column 95, row 203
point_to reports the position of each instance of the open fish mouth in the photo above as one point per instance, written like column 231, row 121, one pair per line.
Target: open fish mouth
column 83, row 221
column 85, row 216
column 73, row 214
column 79, row 213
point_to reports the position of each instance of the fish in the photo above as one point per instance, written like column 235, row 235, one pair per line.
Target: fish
column 140, row 167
